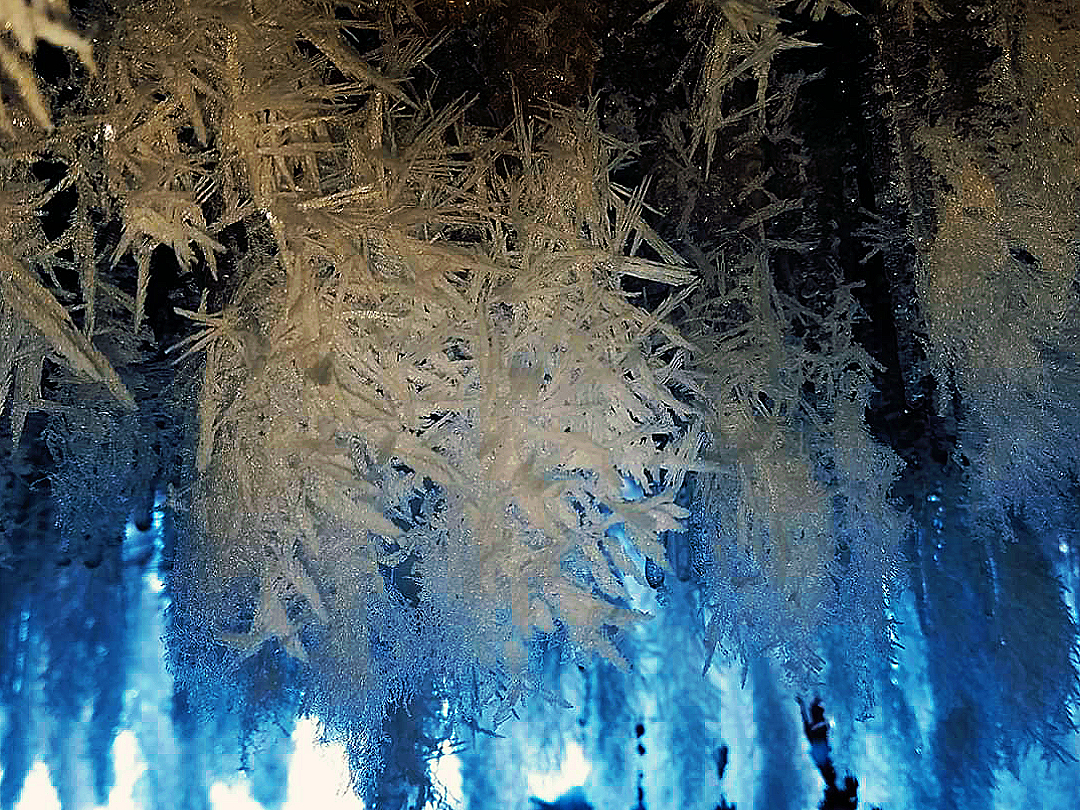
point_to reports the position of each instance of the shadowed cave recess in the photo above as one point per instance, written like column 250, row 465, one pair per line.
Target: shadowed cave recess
column 653, row 404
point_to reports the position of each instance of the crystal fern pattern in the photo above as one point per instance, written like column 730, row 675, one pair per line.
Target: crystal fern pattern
column 422, row 364
column 419, row 386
